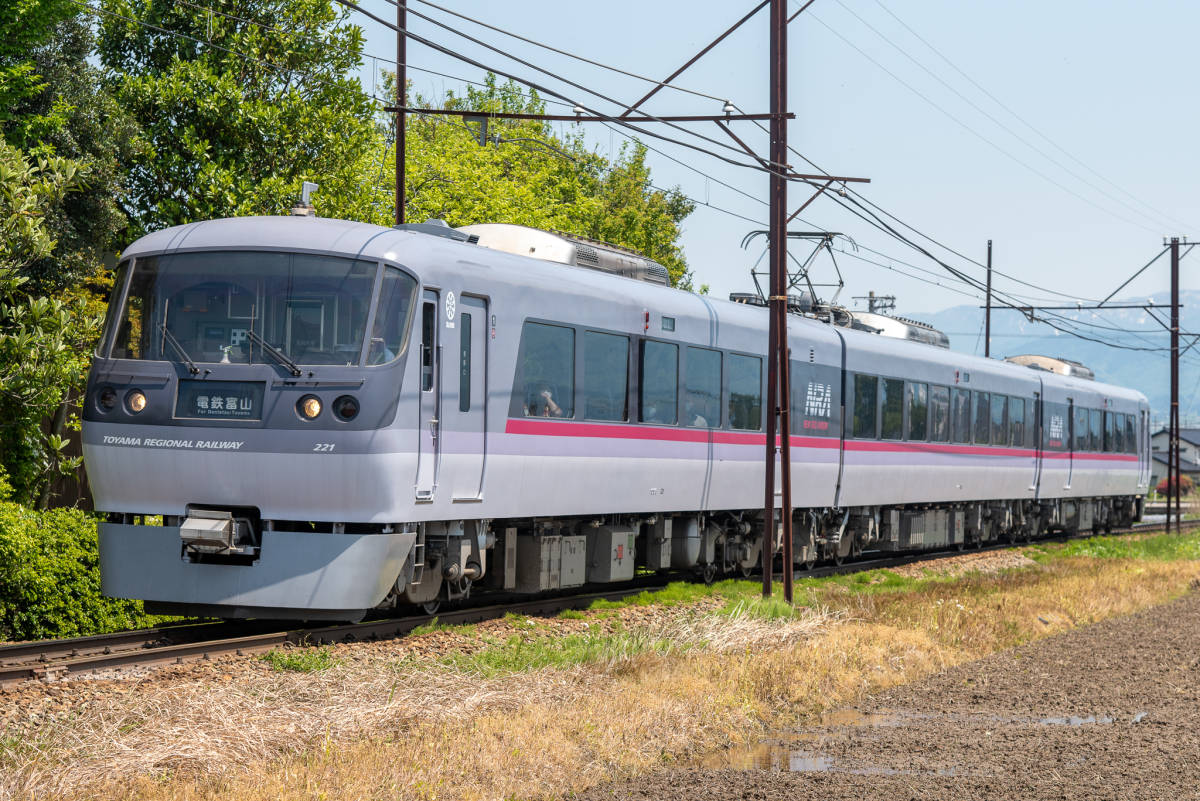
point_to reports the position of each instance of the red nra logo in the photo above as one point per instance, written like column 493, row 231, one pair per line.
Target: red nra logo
column 817, row 425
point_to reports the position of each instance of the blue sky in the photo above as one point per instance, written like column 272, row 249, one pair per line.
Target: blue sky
column 1109, row 83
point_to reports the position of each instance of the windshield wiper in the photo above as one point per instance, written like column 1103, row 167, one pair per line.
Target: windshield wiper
column 169, row 337
column 274, row 352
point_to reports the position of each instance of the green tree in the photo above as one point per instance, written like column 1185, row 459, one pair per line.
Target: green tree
column 93, row 132
column 249, row 100
column 44, row 341
column 61, row 184
column 25, row 25
column 521, row 172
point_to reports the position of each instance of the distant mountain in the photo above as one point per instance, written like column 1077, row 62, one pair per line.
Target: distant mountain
column 1147, row 371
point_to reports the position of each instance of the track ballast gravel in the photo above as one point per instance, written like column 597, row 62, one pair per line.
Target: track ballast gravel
column 1109, row 711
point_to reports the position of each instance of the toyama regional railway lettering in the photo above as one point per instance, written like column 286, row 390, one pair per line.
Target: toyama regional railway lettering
column 149, row 442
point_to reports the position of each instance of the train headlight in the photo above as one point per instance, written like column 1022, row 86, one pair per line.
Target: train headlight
column 107, row 399
column 345, row 407
column 135, row 401
column 309, row 407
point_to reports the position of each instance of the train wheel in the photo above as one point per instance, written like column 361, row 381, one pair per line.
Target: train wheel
column 746, row 572
column 709, row 573
column 431, row 607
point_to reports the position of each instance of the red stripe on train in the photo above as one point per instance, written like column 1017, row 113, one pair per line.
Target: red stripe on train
column 561, row 428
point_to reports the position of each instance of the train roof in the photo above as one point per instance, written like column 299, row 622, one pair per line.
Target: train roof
column 405, row 247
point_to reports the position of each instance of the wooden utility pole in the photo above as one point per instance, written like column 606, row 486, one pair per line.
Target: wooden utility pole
column 778, row 384
column 401, row 103
column 1173, row 460
column 987, row 315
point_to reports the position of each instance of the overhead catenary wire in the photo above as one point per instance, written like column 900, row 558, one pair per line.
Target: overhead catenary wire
column 561, row 154
column 998, row 122
column 1066, row 327
column 1066, row 152
column 566, row 53
column 974, row 132
column 625, row 122
column 659, row 152
column 281, row 68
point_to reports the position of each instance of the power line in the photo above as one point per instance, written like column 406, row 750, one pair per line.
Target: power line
column 895, row 269
column 925, row 236
column 956, row 273
column 611, row 167
column 607, row 67
column 993, row 119
column 566, row 53
column 1023, row 121
column 975, row 133
column 541, row 88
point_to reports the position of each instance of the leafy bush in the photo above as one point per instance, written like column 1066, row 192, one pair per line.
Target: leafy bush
column 1185, row 486
column 50, row 577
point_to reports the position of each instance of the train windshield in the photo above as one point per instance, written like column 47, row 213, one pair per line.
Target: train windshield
column 236, row 307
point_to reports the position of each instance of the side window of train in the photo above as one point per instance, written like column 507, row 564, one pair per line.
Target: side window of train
column 464, row 363
column 1080, row 431
column 892, row 402
column 1109, row 433
column 1118, row 433
column 961, row 415
column 546, row 372
column 1096, row 430
column 1016, row 421
column 605, row 376
column 939, row 418
column 1130, row 434
column 866, row 392
column 702, row 388
column 387, row 335
column 999, row 419
column 983, row 416
column 745, row 392
column 918, row 411
column 659, row 382
column 428, row 318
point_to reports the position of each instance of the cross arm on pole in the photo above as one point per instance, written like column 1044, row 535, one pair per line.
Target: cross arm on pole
column 820, row 191
column 695, row 58
column 1135, row 275
column 801, row 11
column 721, row 124
column 512, row 115
column 1192, row 344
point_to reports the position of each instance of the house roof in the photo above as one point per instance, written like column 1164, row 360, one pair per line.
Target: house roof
column 1185, row 465
column 1189, row 435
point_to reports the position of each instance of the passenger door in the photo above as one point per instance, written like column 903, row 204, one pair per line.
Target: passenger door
column 1072, row 425
column 1035, row 421
column 464, row 418
column 429, row 405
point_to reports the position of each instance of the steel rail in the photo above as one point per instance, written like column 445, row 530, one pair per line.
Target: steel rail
column 52, row 659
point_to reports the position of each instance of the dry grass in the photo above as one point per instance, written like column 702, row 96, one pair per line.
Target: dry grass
column 419, row 728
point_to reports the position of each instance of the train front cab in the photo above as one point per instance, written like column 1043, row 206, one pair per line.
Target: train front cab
column 244, row 431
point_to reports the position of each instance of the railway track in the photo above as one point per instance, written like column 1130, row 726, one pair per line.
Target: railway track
column 48, row 660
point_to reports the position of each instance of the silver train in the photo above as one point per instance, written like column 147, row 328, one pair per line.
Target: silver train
column 311, row 418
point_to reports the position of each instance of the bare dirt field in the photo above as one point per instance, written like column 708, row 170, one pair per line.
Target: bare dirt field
column 1108, row 711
